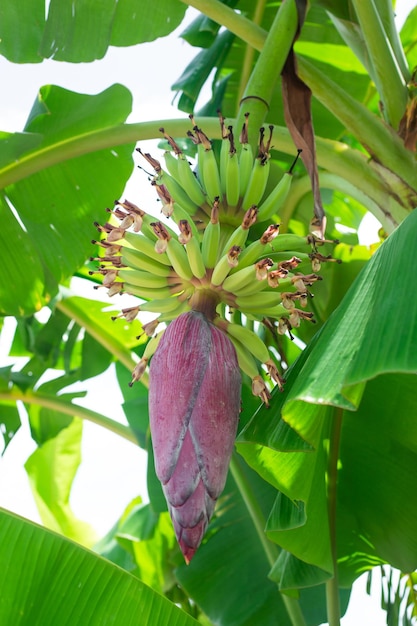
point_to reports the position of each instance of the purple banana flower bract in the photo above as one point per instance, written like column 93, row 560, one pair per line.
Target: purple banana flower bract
column 194, row 405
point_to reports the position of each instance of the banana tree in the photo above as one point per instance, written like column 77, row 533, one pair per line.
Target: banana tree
column 321, row 479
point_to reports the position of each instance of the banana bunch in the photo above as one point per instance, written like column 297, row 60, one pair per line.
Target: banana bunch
column 201, row 256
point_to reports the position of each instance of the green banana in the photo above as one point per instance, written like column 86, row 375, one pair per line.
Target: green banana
column 240, row 279
column 172, row 165
column 189, row 181
column 211, row 175
column 200, row 158
column 257, row 248
column 179, row 260
column 146, row 293
column 259, row 312
column 211, row 238
column 152, row 345
column 286, row 241
column 195, row 258
column 146, row 246
column 192, row 247
column 290, row 241
column 264, row 300
column 224, row 154
column 273, row 203
column 224, row 265
column 207, row 164
column 164, row 305
column 177, row 192
column 245, row 168
column 250, row 340
column 248, row 365
column 254, row 344
column 251, row 289
column 142, row 278
column 257, row 183
column 240, row 234
column 247, row 346
column 237, row 238
column 245, row 158
column 260, row 172
column 229, row 169
column 249, row 281
column 250, row 254
column 180, row 215
column 138, row 260
column 232, row 180
column 149, row 351
column 245, row 359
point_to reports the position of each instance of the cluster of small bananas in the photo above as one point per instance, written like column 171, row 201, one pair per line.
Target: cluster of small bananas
column 207, row 262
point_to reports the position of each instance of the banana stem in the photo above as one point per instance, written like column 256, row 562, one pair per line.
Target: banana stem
column 301, row 186
column 70, row 308
column 332, row 586
column 68, row 408
column 258, row 519
column 336, row 157
column 367, row 128
column 386, row 72
column 386, row 13
column 238, row 24
column 260, row 87
column 354, row 38
column 249, row 53
column 332, row 602
column 74, row 312
column 380, row 140
column 93, row 141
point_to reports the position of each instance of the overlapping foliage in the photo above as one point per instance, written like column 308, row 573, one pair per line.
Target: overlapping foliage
column 328, row 470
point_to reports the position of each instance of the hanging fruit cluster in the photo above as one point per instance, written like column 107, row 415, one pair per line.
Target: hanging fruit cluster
column 192, row 275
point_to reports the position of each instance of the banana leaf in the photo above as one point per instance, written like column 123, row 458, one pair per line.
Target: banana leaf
column 48, row 580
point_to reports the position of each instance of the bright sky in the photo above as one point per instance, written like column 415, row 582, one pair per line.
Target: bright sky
column 113, row 470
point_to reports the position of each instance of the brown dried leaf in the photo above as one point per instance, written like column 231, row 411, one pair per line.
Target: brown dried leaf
column 408, row 126
column 297, row 110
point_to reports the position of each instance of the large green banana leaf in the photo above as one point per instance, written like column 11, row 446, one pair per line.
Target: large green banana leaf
column 77, row 342
column 48, row 580
column 319, row 41
column 81, row 31
column 228, row 577
column 58, row 204
column 352, row 396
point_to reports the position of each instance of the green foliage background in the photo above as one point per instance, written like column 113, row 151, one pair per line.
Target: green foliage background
column 322, row 486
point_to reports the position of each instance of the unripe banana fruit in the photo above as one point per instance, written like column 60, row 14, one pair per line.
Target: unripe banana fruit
column 200, row 266
column 193, row 268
